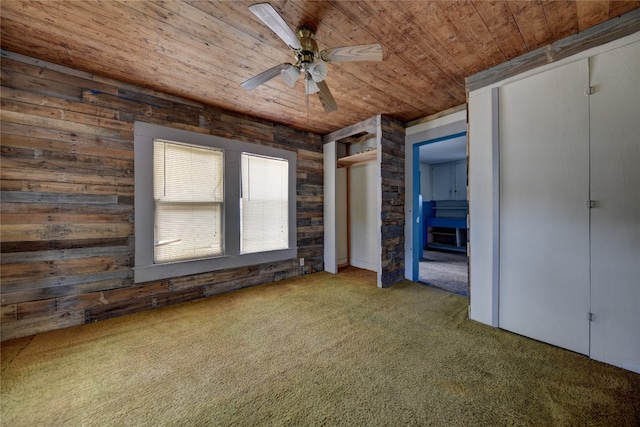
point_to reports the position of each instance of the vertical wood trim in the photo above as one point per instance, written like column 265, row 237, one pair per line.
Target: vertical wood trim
column 330, row 179
column 379, row 135
column 495, row 145
column 480, row 206
column 348, row 187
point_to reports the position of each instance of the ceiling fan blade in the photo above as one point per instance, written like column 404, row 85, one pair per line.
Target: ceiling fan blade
column 264, row 76
column 326, row 98
column 267, row 14
column 363, row 52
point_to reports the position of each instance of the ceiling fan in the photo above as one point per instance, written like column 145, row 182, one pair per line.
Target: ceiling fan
column 310, row 62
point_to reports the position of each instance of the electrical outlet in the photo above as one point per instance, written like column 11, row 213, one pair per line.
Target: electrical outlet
column 301, row 262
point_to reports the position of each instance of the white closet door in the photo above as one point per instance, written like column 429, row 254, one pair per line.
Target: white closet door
column 544, row 221
column 615, row 219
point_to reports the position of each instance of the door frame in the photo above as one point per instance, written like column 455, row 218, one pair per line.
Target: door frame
column 416, row 237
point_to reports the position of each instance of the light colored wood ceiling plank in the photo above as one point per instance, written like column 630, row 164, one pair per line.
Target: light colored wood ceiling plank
column 561, row 17
column 330, row 33
column 198, row 64
column 422, row 62
column 532, row 23
column 444, row 35
column 200, row 36
column 617, row 7
column 591, row 12
column 469, row 24
column 89, row 50
column 502, row 26
column 202, row 50
column 417, row 37
column 338, row 79
column 365, row 75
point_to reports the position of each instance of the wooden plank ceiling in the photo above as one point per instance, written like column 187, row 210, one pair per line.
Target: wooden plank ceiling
column 203, row 50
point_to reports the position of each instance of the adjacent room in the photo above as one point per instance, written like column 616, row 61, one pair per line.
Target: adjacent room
column 320, row 213
column 445, row 207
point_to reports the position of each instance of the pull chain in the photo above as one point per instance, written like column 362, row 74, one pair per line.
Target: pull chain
column 308, row 114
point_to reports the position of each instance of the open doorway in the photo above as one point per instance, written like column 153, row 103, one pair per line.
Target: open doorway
column 443, row 207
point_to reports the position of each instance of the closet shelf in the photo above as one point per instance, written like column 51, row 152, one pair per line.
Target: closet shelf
column 354, row 159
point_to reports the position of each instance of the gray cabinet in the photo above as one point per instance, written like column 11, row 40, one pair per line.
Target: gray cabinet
column 449, row 181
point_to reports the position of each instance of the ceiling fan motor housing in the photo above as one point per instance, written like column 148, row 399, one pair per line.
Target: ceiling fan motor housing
column 308, row 53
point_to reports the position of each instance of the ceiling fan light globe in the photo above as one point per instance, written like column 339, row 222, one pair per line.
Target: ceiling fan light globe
column 310, row 87
column 318, row 71
column 290, row 75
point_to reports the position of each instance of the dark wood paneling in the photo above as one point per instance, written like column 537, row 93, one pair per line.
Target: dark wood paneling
column 36, row 325
column 392, row 214
column 67, row 197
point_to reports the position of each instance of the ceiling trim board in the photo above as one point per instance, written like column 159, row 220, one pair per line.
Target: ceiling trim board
column 605, row 32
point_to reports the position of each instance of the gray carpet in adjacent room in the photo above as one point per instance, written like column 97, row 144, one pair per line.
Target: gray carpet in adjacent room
column 445, row 270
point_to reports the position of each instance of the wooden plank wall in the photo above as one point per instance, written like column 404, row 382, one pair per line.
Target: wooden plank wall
column 392, row 170
column 67, row 187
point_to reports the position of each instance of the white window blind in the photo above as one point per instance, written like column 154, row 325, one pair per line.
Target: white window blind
column 264, row 203
column 188, row 194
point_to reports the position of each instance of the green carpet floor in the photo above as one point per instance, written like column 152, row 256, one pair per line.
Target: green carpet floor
column 316, row 350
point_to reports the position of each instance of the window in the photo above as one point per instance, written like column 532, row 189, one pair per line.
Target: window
column 187, row 191
column 264, row 203
column 205, row 203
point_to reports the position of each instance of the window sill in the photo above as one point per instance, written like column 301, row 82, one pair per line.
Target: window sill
column 153, row 272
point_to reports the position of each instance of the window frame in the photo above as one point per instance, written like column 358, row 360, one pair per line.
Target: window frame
column 145, row 269
column 161, row 203
column 252, row 208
